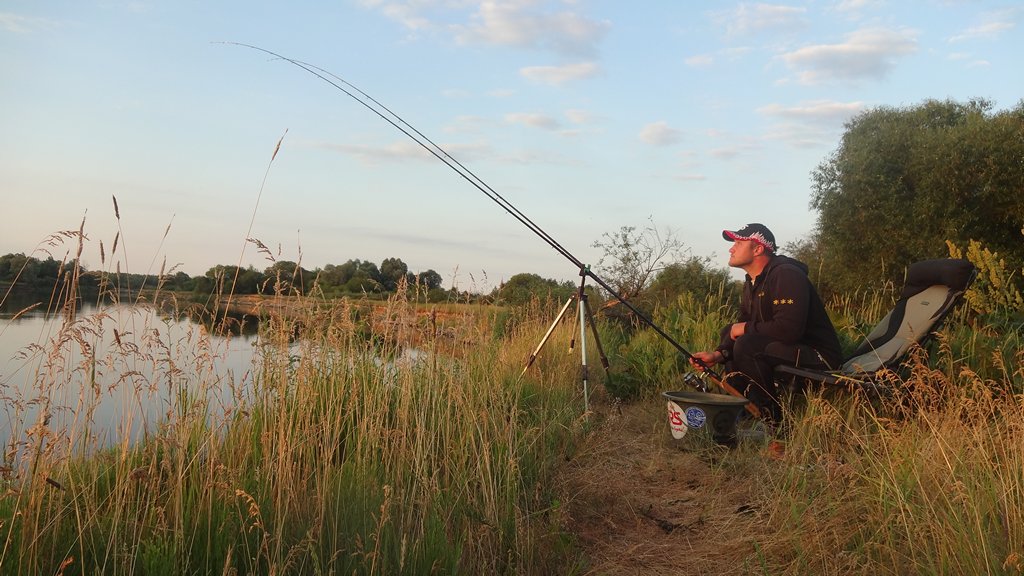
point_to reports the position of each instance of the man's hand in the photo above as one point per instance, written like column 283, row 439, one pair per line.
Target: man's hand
column 708, row 358
column 738, row 329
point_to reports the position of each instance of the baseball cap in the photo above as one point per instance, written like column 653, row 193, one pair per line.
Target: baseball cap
column 757, row 232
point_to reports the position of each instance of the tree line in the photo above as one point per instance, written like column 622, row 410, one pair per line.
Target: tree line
column 352, row 277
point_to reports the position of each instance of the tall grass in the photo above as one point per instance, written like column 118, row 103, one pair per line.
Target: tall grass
column 341, row 452
column 930, row 481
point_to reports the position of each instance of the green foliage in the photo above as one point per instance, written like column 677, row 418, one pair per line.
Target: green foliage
column 27, row 273
column 523, row 288
column 903, row 181
column 996, row 293
column 392, row 272
column 649, row 363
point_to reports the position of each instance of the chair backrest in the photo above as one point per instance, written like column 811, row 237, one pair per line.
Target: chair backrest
column 932, row 289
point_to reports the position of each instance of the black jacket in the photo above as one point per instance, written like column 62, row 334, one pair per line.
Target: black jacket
column 783, row 304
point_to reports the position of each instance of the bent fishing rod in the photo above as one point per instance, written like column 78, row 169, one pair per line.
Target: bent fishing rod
column 441, row 154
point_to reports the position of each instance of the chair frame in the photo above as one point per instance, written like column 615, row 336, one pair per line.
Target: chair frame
column 956, row 275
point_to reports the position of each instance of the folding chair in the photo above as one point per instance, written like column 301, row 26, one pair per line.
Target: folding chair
column 932, row 289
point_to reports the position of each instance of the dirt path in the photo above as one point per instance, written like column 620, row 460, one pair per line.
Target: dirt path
column 640, row 505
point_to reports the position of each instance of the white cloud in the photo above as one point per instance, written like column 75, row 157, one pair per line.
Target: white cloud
column 467, row 124
column 856, row 6
column 402, row 151
column 823, row 111
column 23, row 24
column 520, row 23
column 691, row 177
column 851, row 5
column 577, row 116
column 700, row 61
column 993, row 24
column 542, row 121
column 660, row 134
column 748, row 19
column 803, row 135
column 867, row 53
column 558, row 75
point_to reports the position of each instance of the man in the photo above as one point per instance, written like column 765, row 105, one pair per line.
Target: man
column 782, row 321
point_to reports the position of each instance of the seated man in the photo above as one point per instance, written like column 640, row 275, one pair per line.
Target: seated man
column 781, row 321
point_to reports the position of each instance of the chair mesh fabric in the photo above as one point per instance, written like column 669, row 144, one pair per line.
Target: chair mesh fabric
column 910, row 322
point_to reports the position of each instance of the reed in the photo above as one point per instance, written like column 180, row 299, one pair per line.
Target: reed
column 399, row 437
column 342, row 451
column 929, row 480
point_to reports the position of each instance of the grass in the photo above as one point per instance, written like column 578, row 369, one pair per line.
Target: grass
column 340, row 454
column 338, row 451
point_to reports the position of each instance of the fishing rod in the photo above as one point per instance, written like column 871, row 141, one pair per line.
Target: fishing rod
column 441, row 154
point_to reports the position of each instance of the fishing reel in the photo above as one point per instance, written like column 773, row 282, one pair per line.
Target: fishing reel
column 696, row 381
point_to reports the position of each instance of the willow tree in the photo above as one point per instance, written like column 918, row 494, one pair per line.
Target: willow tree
column 903, row 181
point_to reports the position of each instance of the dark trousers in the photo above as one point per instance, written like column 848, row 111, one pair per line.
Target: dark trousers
column 754, row 358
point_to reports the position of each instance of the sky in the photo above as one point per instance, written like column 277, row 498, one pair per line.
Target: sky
column 586, row 116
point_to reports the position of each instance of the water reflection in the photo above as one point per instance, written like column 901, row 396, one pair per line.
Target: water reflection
column 108, row 374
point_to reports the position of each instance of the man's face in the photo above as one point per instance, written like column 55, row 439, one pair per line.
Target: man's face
column 742, row 253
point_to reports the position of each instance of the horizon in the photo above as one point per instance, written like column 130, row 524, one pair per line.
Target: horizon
column 586, row 116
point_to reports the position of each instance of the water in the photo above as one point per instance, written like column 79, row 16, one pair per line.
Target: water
column 108, row 375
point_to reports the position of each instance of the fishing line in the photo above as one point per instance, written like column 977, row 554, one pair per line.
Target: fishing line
column 424, row 142
column 441, row 154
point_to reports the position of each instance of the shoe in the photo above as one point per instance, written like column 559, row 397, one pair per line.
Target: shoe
column 775, row 450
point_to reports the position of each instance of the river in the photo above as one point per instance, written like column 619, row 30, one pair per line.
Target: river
column 109, row 374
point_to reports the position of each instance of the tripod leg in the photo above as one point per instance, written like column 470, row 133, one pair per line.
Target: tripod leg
column 597, row 340
column 583, row 353
column 547, row 335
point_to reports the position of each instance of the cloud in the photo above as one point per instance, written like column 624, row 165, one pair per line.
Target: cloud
column 691, row 177
column 856, row 6
column 867, row 53
column 660, row 134
column 993, row 25
column 517, row 23
column 802, row 135
column 577, row 116
column 700, row 61
column 467, row 123
column 819, row 111
column 402, row 151
column 407, row 14
column 558, row 75
column 541, row 121
column 522, row 24
column 24, row 24
column 748, row 19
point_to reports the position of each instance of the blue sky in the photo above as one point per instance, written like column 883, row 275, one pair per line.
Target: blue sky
column 586, row 116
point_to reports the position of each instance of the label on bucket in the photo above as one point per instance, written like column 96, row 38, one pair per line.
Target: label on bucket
column 695, row 417
column 675, row 421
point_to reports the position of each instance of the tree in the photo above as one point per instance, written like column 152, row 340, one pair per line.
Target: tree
column 693, row 276
column 286, row 276
column 392, row 271
column 904, row 181
column 522, row 288
column 428, row 279
column 632, row 257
